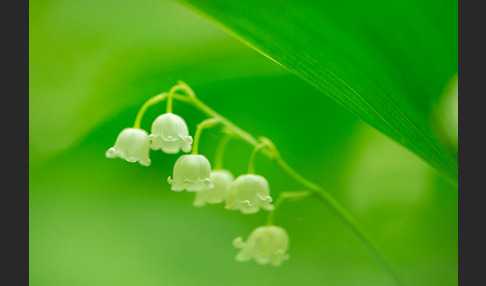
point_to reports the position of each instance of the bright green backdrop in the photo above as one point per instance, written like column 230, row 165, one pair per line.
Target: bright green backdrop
column 95, row 221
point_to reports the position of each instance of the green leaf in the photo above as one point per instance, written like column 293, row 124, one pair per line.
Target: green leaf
column 386, row 61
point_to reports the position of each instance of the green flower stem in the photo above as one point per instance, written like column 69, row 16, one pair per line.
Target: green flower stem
column 251, row 162
column 182, row 86
column 169, row 103
column 293, row 195
column 156, row 99
column 170, row 97
column 325, row 197
column 218, row 158
column 345, row 216
column 209, row 111
column 210, row 122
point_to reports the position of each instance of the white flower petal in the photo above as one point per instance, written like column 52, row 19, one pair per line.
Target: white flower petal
column 191, row 173
column 170, row 134
column 248, row 193
column 132, row 145
column 221, row 180
column 238, row 242
column 266, row 245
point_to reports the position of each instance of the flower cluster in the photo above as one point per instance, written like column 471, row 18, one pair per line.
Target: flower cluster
column 248, row 193
column 169, row 133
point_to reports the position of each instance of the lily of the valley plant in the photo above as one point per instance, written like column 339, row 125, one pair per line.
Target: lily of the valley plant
column 248, row 193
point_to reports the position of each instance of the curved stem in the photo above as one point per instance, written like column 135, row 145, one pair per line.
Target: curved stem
column 169, row 102
column 327, row 198
column 345, row 216
column 251, row 162
column 151, row 101
column 293, row 195
column 204, row 124
column 218, row 158
column 228, row 124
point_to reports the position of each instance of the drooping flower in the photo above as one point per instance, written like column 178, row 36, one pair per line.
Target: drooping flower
column 221, row 180
column 170, row 134
column 132, row 145
column 191, row 173
column 266, row 244
column 248, row 193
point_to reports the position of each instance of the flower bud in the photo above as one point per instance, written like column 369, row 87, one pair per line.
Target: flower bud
column 248, row 193
column 131, row 145
column 170, row 134
column 221, row 180
column 266, row 244
column 191, row 173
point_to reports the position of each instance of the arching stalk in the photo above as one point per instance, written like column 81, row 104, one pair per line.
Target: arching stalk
column 322, row 194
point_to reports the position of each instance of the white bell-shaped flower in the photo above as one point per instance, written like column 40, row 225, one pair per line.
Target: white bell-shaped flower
column 248, row 193
column 266, row 244
column 221, row 180
column 132, row 144
column 170, row 134
column 191, row 173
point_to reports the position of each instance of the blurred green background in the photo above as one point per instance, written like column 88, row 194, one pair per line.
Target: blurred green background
column 96, row 221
